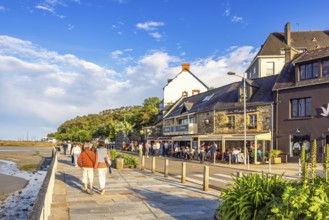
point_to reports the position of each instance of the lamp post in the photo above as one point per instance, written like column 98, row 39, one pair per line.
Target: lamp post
column 244, row 114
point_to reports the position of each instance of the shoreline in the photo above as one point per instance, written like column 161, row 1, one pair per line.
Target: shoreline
column 10, row 184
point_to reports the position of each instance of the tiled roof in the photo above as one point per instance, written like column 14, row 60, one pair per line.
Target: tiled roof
column 313, row 55
column 227, row 96
column 299, row 40
column 287, row 76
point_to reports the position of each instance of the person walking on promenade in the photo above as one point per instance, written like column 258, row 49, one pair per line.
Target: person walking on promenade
column 75, row 152
column 147, row 149
column 101, row 165
column 140, row 149
column 202, row 153
column 213, row 150
column 86, row 161
column 64, row 147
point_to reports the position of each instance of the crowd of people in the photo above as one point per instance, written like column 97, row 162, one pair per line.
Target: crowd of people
column 169, row 149
column 90, row 157
column 206, row 152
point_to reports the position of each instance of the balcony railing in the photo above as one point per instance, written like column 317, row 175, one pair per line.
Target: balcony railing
column 191, row 128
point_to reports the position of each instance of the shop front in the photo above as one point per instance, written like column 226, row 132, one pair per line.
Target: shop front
column 261, row 144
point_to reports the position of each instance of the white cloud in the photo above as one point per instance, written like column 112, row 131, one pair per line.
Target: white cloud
column 41, row 7
column 116, row 54
column 213, row 71
column 156, row 35
column 51, row 5
column 70, row 27
column 237, row 19
column 2, row 8
column 150, row 25
column 54, row 91
column 121, row 56
column 41, row 88
column 227, row 12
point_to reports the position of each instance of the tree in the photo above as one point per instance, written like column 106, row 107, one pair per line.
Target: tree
column 125, row 127
column 108, row 122
column 152, row 102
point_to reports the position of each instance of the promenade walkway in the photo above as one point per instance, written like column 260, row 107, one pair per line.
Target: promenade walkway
column 130, row 194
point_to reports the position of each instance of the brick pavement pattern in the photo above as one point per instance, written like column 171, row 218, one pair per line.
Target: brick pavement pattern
column 130, row 194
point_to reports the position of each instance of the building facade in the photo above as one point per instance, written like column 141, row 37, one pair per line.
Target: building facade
column 183, row 84
column 280, row 48
column 218, row 116
column 303, row 103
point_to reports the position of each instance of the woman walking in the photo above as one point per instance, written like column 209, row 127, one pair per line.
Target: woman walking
column 75, row 152
column 102, row 166
column 86, row 161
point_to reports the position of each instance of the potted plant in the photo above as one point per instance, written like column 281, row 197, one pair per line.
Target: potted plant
column 274, row 155
column 251, row 126
column 229, row 125
column 130, row 161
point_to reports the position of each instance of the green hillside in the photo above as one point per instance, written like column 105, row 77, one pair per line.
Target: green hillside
column 109, row 122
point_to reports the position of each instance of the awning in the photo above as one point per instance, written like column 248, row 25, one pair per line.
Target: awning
column 182, row 138
column 210, row 138
column 249, row 137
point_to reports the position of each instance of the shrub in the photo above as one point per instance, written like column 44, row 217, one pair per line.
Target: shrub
column 299, row 202
column 313, row 160
column 275, row 153
column 326, row 163
column 114, row 154
column 130, row 160
column 250, row 196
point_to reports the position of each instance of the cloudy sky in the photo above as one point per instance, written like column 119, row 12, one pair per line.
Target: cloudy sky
column 65, row 58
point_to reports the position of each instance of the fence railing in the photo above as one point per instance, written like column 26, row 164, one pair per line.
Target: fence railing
column 42, row 206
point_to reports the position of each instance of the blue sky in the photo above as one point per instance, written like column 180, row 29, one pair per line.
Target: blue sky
column 64, row 58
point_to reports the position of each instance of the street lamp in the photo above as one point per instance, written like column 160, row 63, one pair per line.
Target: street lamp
column 244, row 113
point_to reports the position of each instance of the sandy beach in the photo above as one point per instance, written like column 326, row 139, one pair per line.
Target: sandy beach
column 9, row 181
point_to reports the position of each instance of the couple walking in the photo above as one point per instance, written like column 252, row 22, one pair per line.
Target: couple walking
column 90, row 161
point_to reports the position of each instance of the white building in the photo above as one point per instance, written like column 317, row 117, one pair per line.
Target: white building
column 183, row 85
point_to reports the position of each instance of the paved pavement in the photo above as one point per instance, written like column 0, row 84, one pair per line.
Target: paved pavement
column 130, row 194
column 136, row 194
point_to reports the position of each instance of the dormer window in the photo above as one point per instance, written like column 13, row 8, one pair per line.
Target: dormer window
column 309, row 71
column 249, row 93
column 325, row 68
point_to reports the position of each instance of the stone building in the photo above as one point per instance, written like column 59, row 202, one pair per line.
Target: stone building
column 217, row 116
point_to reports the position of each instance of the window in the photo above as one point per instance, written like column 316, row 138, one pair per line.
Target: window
column 269, row 68
column 192, row 120
column 309, row 71
column 231, row 122
column 183, row 121
column 208, row 97
column 252, row 121
column 325, row 68
column 301, row 107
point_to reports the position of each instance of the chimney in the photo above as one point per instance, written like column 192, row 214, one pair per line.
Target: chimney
column 185, row 67
column 287, row 34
